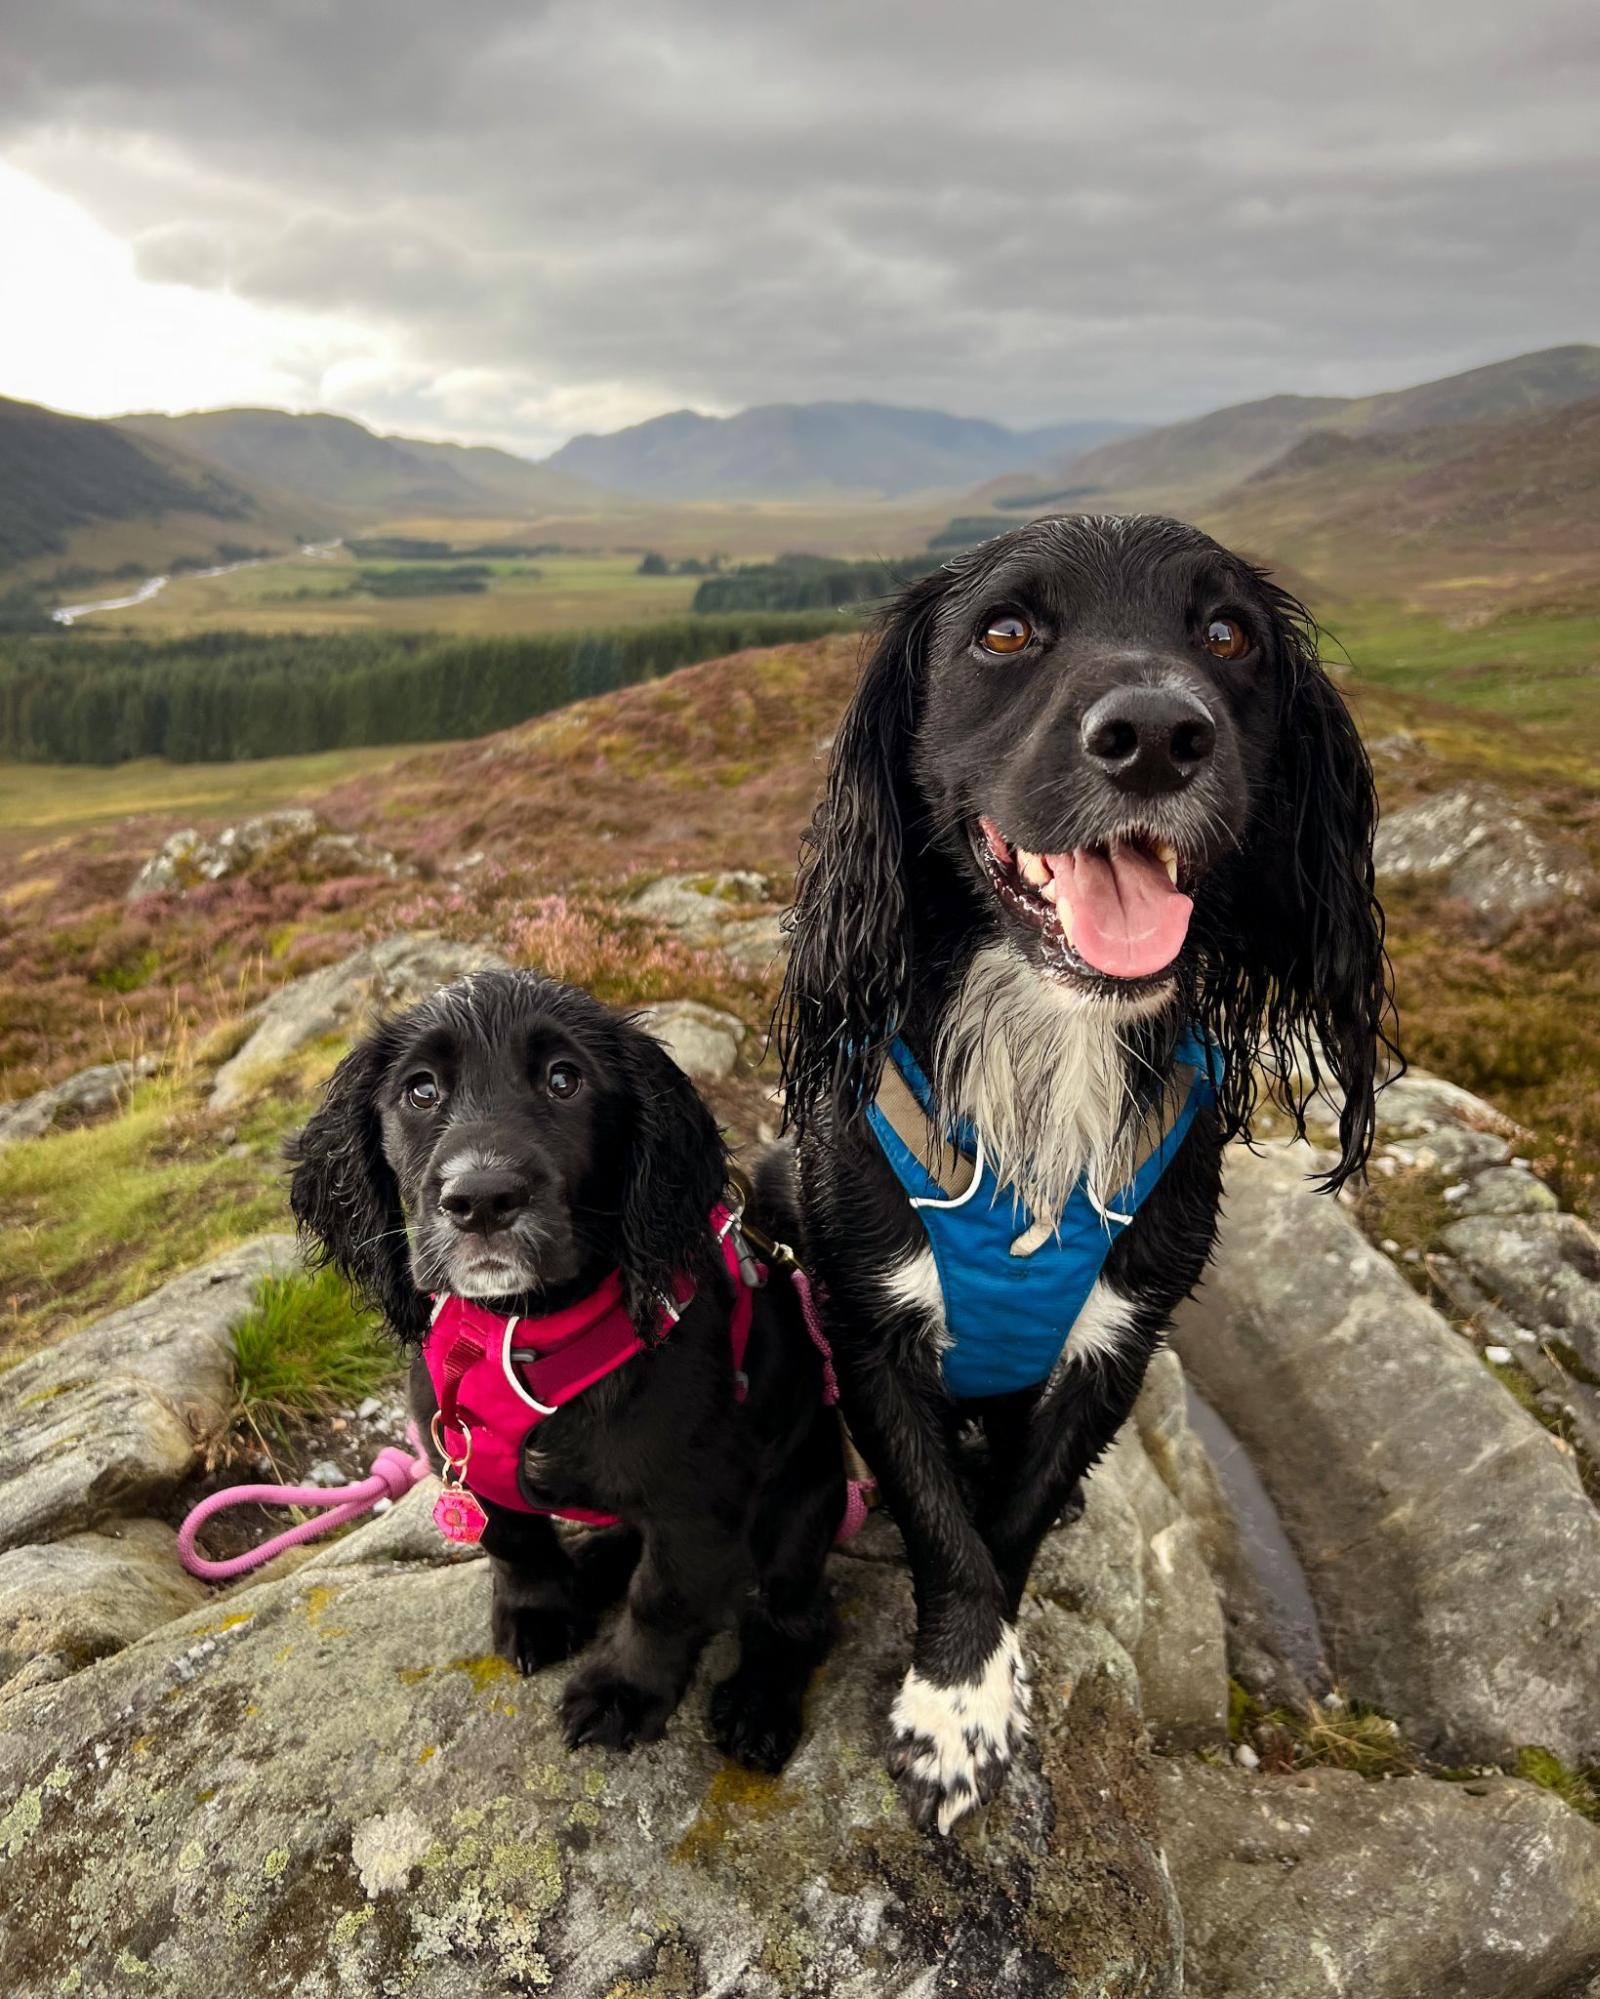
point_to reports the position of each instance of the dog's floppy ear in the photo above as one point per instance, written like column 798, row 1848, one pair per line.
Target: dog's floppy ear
column 677, row 1168
column 1319, row 981
column 344, row 1194
column 850, row 963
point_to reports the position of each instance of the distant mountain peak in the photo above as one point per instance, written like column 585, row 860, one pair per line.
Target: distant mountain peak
column 817, row 450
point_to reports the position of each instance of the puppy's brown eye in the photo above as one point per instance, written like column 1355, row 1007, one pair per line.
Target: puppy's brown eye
column 563, row 1080
column 422, row 1093
column 1006, row 633
column 1226, row 638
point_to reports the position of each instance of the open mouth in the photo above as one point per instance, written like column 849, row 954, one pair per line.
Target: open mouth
column 1116, row 910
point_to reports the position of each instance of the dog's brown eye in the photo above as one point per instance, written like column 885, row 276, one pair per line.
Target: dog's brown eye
column 563, row 1080
column 1007, row 633
column 1226, row 638
column 422, row 1093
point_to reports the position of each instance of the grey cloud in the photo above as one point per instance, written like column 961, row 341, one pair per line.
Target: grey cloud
column 1021, row 211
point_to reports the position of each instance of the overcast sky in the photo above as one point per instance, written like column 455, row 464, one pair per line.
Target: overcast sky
column 506, row 221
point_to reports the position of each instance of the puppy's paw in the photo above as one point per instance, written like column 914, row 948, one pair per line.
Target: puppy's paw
column 533, row 1633
column 755, row 1722
column 950, row 1746
column 605, row 1711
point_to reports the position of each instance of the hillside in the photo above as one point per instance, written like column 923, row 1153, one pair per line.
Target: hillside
column 1182, row 465
column 340, row 464
column 803, row 450
column 78, row 494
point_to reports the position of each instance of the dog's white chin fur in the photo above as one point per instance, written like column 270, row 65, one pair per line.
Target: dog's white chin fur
column 951, row 1739
column 1038, row 1067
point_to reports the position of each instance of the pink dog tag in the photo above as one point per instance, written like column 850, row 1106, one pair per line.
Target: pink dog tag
column 458, row 1516
column 456, row 1512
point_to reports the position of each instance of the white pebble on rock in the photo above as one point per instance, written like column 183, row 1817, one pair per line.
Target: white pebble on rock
column 1497, row 1356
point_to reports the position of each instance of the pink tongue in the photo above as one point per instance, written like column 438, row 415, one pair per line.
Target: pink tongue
column 1127, row 918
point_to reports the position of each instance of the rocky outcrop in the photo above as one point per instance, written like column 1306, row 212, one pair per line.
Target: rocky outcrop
column 702, row 1040
column 112, row 1420
column 1320, row 1885
column 716, row 910
column 81, row 1099
column 341, row 999
column 1450, row 1548
column 66, row 1603
column 293, row 835
column 1483, row 852
column 337, row 1791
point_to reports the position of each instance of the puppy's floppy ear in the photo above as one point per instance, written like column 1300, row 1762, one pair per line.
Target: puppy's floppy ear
column 1319, row 984
column 850, row 964
column 345, row 1196
column 677, row 1168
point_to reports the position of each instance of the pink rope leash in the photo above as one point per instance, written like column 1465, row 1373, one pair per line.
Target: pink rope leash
column 394, row 1472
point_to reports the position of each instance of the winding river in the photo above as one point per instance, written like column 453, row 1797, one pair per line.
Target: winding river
column 152, row 586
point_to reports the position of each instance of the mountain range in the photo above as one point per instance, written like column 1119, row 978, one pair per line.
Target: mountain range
column 810, row 451
column 1501, row 455
column 1181, row 463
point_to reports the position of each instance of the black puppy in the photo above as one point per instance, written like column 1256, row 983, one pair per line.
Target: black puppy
column 1095, row 844
column 513, row 1141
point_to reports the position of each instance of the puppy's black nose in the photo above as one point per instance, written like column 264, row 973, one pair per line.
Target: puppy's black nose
column 1149, row 739
column 483, row 1201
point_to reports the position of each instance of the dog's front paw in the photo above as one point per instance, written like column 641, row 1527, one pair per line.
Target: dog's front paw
column 532, row 1634
column 756, row 1722
column 608, row 1712
column 950, row 1746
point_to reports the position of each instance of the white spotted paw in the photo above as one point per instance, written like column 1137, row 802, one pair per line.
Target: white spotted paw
column 950, row 1747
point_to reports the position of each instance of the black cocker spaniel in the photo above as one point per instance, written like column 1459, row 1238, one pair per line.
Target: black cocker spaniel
column 513, row 1143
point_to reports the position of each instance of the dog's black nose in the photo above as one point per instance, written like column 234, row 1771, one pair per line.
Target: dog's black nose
column 1149, row 739
column 483, row 1201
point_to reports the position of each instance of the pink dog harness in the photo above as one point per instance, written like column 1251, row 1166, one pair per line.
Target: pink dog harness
column 494, row 1388
column 498, row 1379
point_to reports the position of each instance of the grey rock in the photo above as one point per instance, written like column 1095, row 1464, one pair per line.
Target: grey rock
column 1418, row 1103
column 1482, row 850
column 337, row 1792
column 189, row 857
column 1323, row 1884
column 342, row 998
column 90, row 1094
column 1451, row 1149
column 716, row 910
column 1508, row 1190
column 702, row 1040
column 112, row 1419
column 1541, row 1269
column 1449, row 1546
column 1262, row 1649
column 701, row 903
column 70, row 1602
column 1135, row 1563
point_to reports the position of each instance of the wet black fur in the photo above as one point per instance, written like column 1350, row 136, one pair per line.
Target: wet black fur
column 1284, row 958
column 728, row 1508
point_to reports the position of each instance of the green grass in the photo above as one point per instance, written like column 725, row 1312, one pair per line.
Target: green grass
column 61, row 798
column 306, row 1348
column 95, row 1218
column 1335, row 1734
column 1541, row 670
column 1577, row 1788
column 303, row 594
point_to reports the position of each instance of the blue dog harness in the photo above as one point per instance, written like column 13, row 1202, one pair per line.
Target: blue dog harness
column 1012, row 1290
